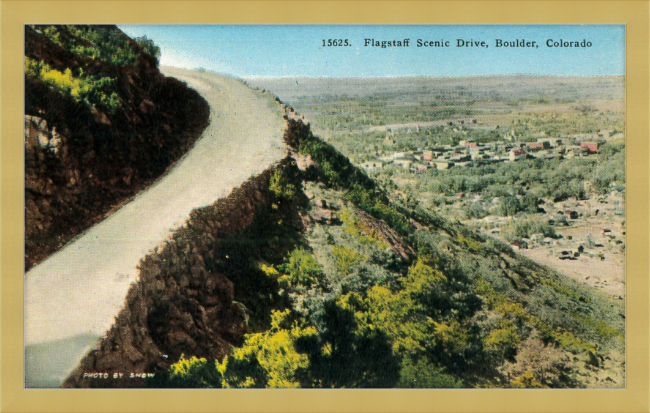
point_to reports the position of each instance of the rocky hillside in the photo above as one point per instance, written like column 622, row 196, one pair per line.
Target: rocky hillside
column 310, row 275
column 101, row 123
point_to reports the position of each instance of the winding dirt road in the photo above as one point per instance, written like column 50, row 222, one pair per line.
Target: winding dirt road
column 72, row 297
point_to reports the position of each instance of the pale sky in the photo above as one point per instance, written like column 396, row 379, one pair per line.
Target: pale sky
column 297, row 50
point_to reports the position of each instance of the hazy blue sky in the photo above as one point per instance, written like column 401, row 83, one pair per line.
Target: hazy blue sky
column 278, row 50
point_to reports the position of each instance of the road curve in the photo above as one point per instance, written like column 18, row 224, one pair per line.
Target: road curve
column 72, row 297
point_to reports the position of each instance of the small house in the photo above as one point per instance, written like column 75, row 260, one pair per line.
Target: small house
column 440, row 165
column 592, row 147
column 571, row 214
column 516, row 154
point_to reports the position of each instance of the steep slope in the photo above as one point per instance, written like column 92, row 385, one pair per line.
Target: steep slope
column 309, row 275
column 101, row 124
column 77, row 292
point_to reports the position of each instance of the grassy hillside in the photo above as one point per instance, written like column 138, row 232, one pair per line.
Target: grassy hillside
column 309, row 275
column 101, row 123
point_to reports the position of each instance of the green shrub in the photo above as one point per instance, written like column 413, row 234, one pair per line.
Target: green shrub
column 560, row 288
column 280, row 186
column 149, row 47
column 363, row 233
column 501, row 304
column 562, row 337
column 524, row 228
column 93, row 91
column 469, row 243
column 346, row 259
column 425, row 375
column 104, row 43
column 371, row 203
column 530, row 203
column 510, row 205
column 187, row 373
column 504, row 338
column 268, row 359
column 475, row 210
column 526, row 381
column 300, row 267
column 601, row 328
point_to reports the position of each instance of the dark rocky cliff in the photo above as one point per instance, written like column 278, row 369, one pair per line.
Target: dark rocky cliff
column 98, row 128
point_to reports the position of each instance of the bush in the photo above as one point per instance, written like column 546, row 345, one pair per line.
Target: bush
column 425, row 375
column 93, row 91
column 510, row 205
column 526, row 381
column 475, row 211
column 346, row 259
column 504, row 338
column 601, row 328
column 530, row 203
column 149, row 47
column 469, row 243
column 280, row 186
column 561, row 288
column 524, row 228
column 371, row 203
column 186, row 374
column 300, row 267
column 363, row 233
column 268, row 359
column 501, row 304
column 106, row 43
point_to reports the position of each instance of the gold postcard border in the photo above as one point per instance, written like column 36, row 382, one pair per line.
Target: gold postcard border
column 14, row 14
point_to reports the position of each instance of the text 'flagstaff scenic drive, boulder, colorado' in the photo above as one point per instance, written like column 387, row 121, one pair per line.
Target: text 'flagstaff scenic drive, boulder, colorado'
column 463, row 43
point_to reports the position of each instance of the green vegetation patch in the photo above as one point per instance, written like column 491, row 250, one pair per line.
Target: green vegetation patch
column 371, row 203
column 363, row 233
column 525, row 227
column 505, row 336
column 188, row 373
column 424, row 374
column 601, row 328
column 91, row 90
column 300, row 267
column 469, row 243
column 500, row 303
column 526, row 381
column 346, row 259
column 268, row 359
column 105, row 43
column 337, row 172
column 560, row 288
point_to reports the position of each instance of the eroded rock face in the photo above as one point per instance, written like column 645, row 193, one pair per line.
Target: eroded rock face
column 164, row 318
column 38, row 136
column 302, row 162
column 386, row 233
column 181, row 304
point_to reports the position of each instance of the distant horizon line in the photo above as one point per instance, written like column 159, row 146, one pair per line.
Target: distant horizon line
column 388, row 77
column 416, row 76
